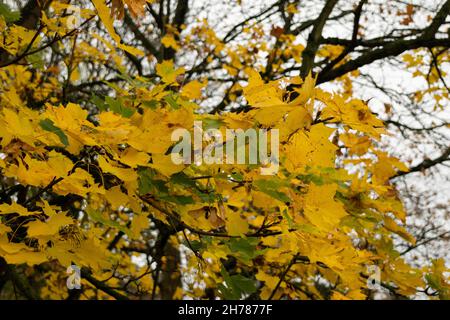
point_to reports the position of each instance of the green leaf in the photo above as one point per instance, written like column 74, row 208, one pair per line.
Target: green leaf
column 36, row 60
column 432, row 281
column 178, row 199
column 48, row 125
column 211, row 123
column 182, row 179
column 305, row 228
column 245, row 247
column 158, row 188
column 171, row 99
column 307, row 178
column 227, row 294
column 127, row 78
column 147, row 183
column 116, row 106
column 100, row 104
column 97, row 216
column 9, row 15
column 271, row 187
column 227, row 291
column 242, row 284
column 289, row 219
column 208, row 197
column 152, row 104
column 195, row 245
column 237, row 176
column 236, row 285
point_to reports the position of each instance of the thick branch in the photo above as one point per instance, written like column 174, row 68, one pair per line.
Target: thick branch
column 178, row 20
column 180, row 13
column 438, row 20
column 141, row 37
column 393, row 48
column 309, row 53
column 85, row 273
column 353, row 44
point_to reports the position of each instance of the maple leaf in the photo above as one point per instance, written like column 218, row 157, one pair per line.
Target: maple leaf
column 167, row 72
column 88, row 177
column 136, row 7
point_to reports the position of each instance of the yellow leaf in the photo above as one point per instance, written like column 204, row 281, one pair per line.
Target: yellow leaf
column 298, row 118
column 167, row 71
column 193, row 90
column 270, row 116
column 321, row 208
column 292, row 8
column 136, row 7
column 50, row 227
column 48, row 209
column 10, row 247
column 92, row 253
column 63, row 252
column 259, row 94
column 122, row 173
column 357, row 145
column 17, row 253
column 116, row 197
column 169, row 42
column 15, row 208
column 4, row 229
column 262, row 200
column 338, row 296
column 270, row 281
column 306, row 91
column 134, row 158
column 29, row 257
column 164, row 164
column 75, row 74
column 205, row 217
column 391, row 225
column 17, row 125
column 235, row 224
column 311, row 149
column 104, row 14
column 139, row 223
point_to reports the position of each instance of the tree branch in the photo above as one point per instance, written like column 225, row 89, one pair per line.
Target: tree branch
column 309, row 53
column 393, row 48
column 141, row 37
column 86, row 273
column 438, row 20
column 425, row 164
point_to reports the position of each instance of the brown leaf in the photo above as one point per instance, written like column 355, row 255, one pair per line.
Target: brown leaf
column 277, row 32
column 117, row 9
column 136, row 7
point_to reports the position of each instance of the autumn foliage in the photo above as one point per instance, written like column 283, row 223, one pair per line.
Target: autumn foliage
column 88, row 180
